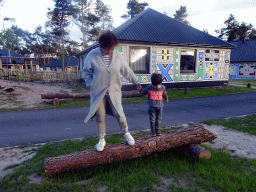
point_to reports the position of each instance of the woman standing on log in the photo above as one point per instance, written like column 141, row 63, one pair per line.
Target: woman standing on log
column 101, row 72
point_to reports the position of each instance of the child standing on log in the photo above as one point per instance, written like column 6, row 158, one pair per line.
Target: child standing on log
column 156, row 92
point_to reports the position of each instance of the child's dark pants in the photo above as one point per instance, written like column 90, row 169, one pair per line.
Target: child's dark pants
column 155, row 117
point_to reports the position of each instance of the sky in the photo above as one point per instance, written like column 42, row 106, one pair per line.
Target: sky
column 202, row 14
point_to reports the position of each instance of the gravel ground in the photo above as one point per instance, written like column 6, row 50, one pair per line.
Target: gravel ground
column 234, row 142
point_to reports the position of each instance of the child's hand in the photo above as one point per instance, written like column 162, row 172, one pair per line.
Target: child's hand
column 166, row 100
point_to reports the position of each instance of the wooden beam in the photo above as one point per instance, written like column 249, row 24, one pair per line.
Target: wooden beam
column 193, row 134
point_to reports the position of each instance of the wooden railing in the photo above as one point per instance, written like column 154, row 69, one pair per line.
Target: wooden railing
column 48, row 76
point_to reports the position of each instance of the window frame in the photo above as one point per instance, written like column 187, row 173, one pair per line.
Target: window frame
column 194, row 60
column 147, row 70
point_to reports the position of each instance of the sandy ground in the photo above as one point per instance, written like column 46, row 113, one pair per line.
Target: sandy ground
column 29, row 94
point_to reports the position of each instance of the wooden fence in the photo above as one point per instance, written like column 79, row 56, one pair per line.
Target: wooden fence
column 48, row 76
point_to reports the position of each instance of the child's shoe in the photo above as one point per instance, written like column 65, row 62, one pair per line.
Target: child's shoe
column 153, row 133
column 158, row 132
column 100, row 146
column 129, row 138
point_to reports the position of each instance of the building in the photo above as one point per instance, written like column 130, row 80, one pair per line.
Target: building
column 71, row 64
column 243, row 60
column 12, row 60
column 186, row 57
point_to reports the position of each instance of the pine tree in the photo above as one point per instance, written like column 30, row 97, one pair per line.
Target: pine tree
column 105, row 23
column 84, row 10
column 134, row 8
column 234, row 30
column 60, row 18
column 181, row 15
column 8, row 40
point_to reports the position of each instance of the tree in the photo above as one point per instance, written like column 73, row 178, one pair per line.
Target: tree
column 234, row 30
column 39, row 43
column 8, row 40
column 60, row 18
column 206, row 31
column 134, row 8
column 181, row 15
column 252, row 35
column 103, row 12
column 244, row 30
column 229, row 32
column 72, row 49
column 93, row 18
column 84, row 9
column 102, row 21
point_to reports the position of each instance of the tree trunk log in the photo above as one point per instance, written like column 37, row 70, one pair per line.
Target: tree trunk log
column 56, row 102
column 65, row 95
column 125, row 94
column 198, row 151
column 192, row 134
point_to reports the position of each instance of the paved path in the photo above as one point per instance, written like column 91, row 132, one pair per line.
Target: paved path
column 44, row 125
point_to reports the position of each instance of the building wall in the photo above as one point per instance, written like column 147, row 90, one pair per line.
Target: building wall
column 246, row 71
column 211, row 64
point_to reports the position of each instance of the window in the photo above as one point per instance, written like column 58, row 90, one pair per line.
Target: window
column 139, row 59
column 188, row 61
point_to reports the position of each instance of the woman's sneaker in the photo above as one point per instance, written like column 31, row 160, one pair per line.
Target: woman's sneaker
column 129, row 138
column 100, row 146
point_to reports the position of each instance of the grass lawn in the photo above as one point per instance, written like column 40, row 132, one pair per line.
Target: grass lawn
column 242, row 82
column 246, row 123
column 173, row 170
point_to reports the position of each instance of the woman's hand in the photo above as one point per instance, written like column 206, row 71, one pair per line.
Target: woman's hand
column 138, row 85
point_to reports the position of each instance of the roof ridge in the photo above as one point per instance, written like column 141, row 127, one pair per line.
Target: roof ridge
column 189, row 26
column 132, row 21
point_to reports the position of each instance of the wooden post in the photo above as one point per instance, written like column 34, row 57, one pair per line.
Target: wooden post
column 225, row 85
column 186, row 91
column 193, row 134
column 31, row 65
column 31, row 72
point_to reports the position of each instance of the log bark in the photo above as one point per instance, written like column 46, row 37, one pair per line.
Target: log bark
column 193, row 134
column 198, row 151
column 125, row 94
column 65, row 95
column 56, row 102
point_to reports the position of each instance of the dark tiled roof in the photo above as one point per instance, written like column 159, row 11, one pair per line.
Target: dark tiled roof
column 69, row 62
column 153, row 27
column 246, row 52
column 4, row 53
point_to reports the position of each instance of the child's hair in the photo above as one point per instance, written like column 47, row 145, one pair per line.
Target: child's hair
column 156, row 78
column 108, row 40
